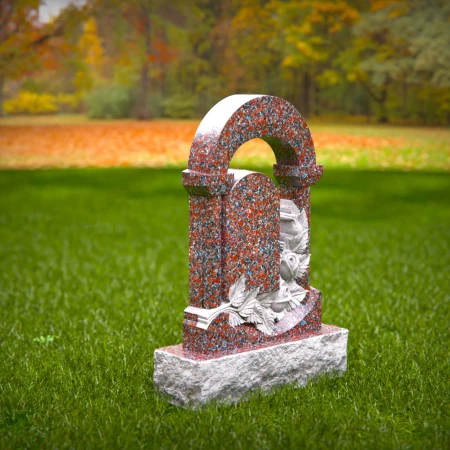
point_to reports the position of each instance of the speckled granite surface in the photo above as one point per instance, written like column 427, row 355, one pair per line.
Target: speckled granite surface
column 234, row 215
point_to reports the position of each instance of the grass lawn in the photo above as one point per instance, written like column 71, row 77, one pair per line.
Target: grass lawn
column 98, row 258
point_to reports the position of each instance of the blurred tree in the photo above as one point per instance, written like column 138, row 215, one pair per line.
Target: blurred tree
column 426, row 28
column 90, row 52
column 179, row 58
column 24, row 40
column 147, row 25
column 18, row 33
column 400, row 43
column 310, row 34
column 209, row 34
column 254, row 51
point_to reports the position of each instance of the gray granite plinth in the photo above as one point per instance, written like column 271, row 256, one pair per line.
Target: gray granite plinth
column 190, row 382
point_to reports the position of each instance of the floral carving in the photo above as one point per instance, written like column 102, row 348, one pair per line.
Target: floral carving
column 264, row 310
column 245, row 308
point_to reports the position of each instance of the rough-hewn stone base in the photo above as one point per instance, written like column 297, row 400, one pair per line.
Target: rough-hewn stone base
column 191, row 382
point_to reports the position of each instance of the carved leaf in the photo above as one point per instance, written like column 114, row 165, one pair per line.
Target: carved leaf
column 302, row 266
column 235, row 319
column 298, row 294
column 267, row 298
column 290, row 306
column 268, row 321
column 299, row 242
column 257, row 315
column 249, row 305
column 303, row 220
column 237, row 293
column 254, row 318
column 250, row 310
column 263, row 327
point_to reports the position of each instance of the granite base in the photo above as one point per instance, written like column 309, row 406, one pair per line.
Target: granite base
column 191, row 381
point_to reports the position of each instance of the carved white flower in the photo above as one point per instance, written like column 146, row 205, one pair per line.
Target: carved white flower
column 299, row 243
column 293, row 265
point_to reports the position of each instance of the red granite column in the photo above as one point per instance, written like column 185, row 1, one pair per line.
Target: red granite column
column 205, row 245
column 205, row 236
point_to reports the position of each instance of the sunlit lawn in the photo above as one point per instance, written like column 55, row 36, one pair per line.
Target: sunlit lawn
column 74, row 141
column 98, row 259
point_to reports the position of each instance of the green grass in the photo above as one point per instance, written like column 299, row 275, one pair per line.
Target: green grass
column 98, row 259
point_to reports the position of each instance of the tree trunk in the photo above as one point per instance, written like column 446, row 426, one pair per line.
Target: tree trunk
column 144, row 112
column 306, row 95
column 404, row 99
column 380, row 98
column 383, row 112
column 2, row 86
column 368, row 110
column 301, row 87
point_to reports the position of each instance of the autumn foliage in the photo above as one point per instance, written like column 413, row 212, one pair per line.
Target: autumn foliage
column 384, row 59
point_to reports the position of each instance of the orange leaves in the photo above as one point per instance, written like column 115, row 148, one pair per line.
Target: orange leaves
column 163, row 53
column 166, row 143
column 152, row 144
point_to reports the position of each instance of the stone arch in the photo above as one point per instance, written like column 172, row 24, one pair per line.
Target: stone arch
column 238, row 119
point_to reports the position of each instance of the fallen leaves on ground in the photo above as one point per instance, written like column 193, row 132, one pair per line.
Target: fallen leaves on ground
column 166, row 143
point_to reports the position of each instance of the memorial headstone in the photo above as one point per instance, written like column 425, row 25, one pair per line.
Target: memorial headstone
column 253, row 320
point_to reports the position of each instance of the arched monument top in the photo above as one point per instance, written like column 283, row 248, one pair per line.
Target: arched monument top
column 240, row 118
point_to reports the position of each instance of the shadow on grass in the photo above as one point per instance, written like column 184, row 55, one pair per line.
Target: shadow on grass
column 349, row 194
